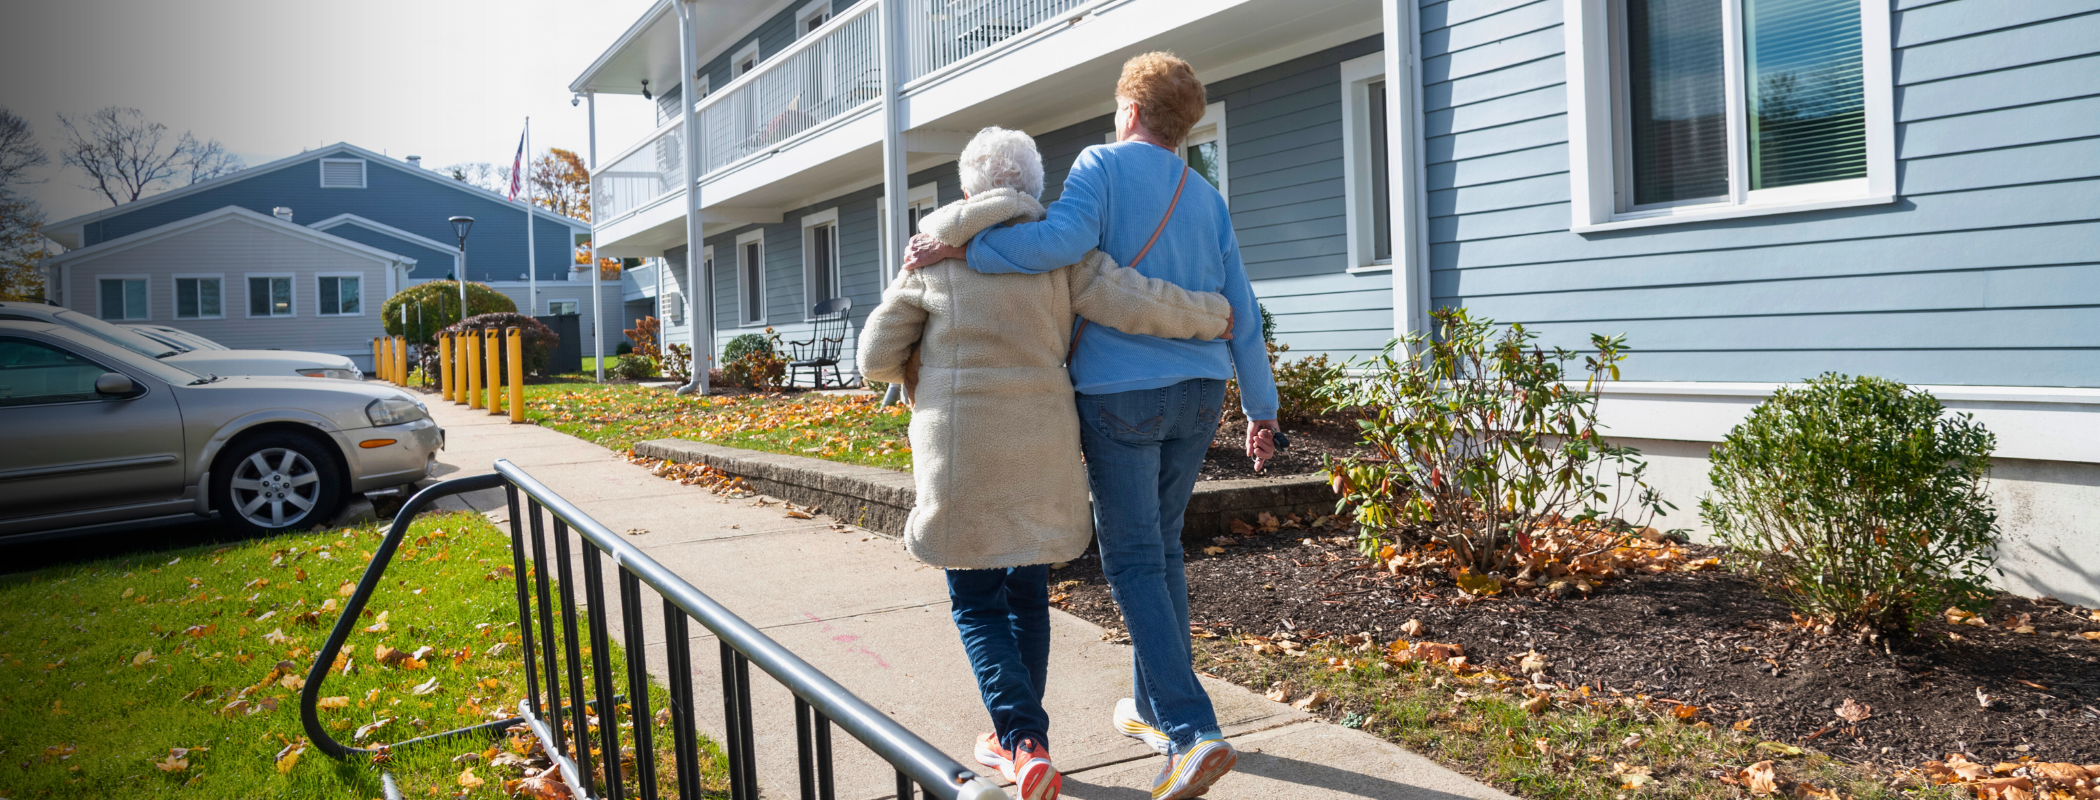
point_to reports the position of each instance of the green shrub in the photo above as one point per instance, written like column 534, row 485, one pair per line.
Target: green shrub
column 1268, row 325
column 751, row 361
column 623, row 348
column 746, row 344
column 437, row 303
column 677, row 362
column 1858, row 501
column 632, row 367
column 1299, row 386
column 1479, row 440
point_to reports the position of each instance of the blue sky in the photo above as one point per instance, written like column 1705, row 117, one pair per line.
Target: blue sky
column 450, row 80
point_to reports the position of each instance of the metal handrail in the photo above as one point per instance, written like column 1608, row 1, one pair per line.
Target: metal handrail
column 819, row 701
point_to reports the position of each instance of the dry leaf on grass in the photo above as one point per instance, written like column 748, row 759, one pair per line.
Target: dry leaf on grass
column 1630, row 776
column 143, row 658
column 1311, row 702
column 425, row 687
column 1538, row 704
column 1280, row 692
column 333, row 702
column 468, row 781
column 1533, row 662
column 289, row 757
column 2004, row 789
column 1761, row 778
column 1413, row 627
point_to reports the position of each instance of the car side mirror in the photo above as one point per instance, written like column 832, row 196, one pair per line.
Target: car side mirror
column 115, row 384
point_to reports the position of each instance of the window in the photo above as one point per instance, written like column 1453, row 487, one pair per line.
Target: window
column 745, row 60
column 34, row 373
column 270, row 296
column 124, row 298
column 751, row 277
column 342, row 173
column 341, row 296
column 918, row 202
column 1205, row 148
column 1366, row 153
column 561, row 308
column 198, row 298
column 1696, row 109
column 820, row 257
column 812, row 17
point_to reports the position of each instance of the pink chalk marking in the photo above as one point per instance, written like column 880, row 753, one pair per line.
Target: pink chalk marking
column 846, row 638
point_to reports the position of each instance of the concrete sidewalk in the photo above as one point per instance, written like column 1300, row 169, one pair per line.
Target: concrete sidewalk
column 856, row 606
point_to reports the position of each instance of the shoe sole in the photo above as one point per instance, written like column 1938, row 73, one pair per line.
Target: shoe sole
column 1195, row 779
column 1151, row 736
column 1040, row 781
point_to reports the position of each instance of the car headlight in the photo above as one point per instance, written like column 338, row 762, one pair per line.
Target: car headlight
column 394, row 411
column 323, row 372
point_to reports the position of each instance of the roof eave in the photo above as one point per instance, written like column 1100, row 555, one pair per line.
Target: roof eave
column 583, row 82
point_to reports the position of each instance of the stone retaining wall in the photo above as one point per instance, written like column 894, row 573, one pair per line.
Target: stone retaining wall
column 880, row 499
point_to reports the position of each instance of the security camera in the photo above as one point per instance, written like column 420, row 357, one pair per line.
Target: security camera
column 575, row 100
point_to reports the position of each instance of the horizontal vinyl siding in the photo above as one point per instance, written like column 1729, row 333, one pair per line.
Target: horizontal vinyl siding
column 1986, row 271
column 393, row 196
column 234, row 250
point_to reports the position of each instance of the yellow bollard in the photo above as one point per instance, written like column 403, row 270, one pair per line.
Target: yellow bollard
column 386, row 350
column 516, row 350
column 472, row 342
column 401, row 358
column 444, row 356
column 492, row 343
column 378, row 366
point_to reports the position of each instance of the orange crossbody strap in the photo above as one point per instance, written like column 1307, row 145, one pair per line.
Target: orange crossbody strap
column 1073, row 349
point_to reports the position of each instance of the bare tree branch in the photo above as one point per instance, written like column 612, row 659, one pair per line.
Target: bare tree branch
column 21, row 242
column 127, row 156
column 19, row 152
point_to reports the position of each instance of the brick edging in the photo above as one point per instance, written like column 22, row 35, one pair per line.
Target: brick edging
column 880, row 499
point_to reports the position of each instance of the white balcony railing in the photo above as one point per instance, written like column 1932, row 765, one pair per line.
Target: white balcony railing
column 649, row 170
column 833, row 71
column 943, row 32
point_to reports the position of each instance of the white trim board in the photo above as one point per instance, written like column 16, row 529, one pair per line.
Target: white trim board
column 2031, row 422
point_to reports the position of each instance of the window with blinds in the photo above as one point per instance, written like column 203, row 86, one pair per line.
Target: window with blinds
column 342, row 173
column 751, row 277
column 1800, row 116
column 197, row 298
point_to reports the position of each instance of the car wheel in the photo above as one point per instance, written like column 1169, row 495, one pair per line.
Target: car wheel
column 276, row 482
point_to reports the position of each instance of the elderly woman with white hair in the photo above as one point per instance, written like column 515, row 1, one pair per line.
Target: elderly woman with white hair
column 995, row 432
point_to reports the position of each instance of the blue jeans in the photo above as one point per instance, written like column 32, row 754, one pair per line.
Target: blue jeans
column 1004, row 618
column 1143, row 451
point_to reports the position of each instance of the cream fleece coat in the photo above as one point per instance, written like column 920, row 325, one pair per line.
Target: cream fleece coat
column 994, row 430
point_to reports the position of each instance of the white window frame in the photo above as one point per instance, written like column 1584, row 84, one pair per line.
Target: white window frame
column 550, row 305
column 323, row 312
column 102, row 313
column 749, row 53
column 1357, row 76
column 247, row 300
column 363, row 172
column 1593, row 128
column 810, row 223
column 922, row 198
column 743, row 271
column 1211, row 128
column 175, row 286
column 802, row 15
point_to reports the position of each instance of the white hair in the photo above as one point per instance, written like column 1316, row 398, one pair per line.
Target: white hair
column 997, row 158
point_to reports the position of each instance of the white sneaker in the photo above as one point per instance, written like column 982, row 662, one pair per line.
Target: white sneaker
column 1188, row 775
column 1129, row 724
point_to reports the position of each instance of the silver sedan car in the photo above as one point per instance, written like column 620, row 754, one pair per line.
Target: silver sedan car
column 94, row 433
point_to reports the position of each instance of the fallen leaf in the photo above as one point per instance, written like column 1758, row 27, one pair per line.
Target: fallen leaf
column 1632, row 777
column 468, row 781
column 547, row 785
column 1214, row 551
column 346, row 589
column 1413, row 627
column 2004, row 789
column 386, row 654
column 196, row 693
column 425, row 687
column 2090, row 636
column 333, row 702
column 1280, row 692
column 1685, row 711
column 1781, row 748
column 379, row 626
column 798, row 514
column 1854, row 712
column 1478, row 584
column 1760, row 778
column 1538, row 704
column 276, row 636
column 289, row 757
column 1311, row 702
column 175, row 762
column 371, row 728
column 1533, row 662
column 143, row 658
column 1742, row 725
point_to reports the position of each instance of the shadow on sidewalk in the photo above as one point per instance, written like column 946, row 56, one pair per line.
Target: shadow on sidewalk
column 1310, row 779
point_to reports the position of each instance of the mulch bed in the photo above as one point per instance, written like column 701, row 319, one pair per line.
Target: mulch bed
column 1310, row 442
column 1707, row 638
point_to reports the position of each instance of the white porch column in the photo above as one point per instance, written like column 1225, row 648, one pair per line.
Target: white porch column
column 1403, row 62
column 699, row 315
column 896, row 181
column 597, row 290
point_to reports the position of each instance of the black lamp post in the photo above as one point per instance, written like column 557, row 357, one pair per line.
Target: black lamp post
column 460, row 227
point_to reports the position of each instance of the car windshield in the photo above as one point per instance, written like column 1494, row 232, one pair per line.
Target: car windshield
column 163, row 338
column 117, row 335
column 97, row 347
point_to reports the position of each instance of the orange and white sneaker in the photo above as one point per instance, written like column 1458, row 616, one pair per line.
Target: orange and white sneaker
column 1027, row 765
column 1189, row 775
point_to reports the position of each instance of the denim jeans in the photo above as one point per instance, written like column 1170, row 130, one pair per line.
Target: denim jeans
column 1004, row 618
column 1143, row 451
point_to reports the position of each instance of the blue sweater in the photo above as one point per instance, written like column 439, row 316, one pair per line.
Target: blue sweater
column 1113, row 200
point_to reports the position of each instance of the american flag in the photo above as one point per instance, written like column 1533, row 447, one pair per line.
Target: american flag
column 517, row 168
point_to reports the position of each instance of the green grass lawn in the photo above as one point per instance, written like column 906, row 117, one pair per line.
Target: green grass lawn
column 853, row 429
column 159, row 675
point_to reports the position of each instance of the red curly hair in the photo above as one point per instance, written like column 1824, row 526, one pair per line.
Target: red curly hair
column 1169, row 98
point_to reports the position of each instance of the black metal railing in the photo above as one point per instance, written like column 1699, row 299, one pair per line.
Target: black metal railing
column 554, row 662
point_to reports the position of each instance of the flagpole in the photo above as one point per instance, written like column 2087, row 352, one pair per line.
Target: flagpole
column 532, row 258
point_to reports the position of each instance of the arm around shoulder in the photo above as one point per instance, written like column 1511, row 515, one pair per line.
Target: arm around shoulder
column 1124, row 299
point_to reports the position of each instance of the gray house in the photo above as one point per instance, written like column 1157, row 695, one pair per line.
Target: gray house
column 1753, row 191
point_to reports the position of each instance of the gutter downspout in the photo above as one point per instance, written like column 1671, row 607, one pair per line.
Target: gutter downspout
column 699, row 316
